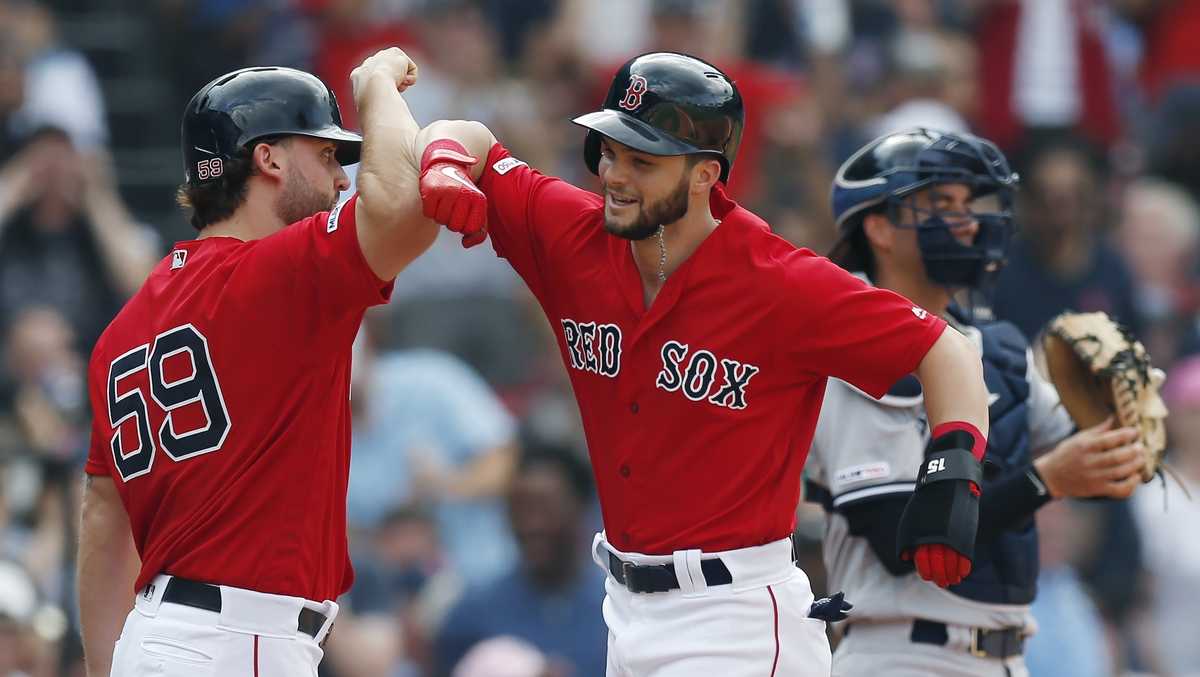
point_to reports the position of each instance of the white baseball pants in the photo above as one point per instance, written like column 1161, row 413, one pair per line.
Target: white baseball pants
column 254, row 635
column 756, row 626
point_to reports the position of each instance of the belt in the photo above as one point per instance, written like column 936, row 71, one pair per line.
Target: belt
column 661, row 577
column 1001, row 643
column 208, row 596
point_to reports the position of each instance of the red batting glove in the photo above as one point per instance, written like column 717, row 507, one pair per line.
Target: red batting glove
column 940, row 564
column 448, row 195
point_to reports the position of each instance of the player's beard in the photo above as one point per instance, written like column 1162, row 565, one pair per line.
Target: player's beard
column 664, row 212
column 301, row 199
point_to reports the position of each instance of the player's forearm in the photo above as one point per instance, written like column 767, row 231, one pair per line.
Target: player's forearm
column 474, row 136
column 392, row 231
column 951, row 375
column 108, row 565
column 387, row 175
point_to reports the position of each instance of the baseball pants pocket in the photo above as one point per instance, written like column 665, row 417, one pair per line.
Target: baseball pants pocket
column 170, row 658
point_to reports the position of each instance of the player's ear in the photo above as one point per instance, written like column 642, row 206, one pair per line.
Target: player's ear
column 268, row 159
column 705, row 173
column 879, row 231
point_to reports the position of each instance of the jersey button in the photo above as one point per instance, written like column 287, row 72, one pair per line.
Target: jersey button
column 625, row 472
column 633, row 407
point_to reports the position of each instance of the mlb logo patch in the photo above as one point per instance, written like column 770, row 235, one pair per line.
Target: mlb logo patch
column 178, row 258
column 332, row 224
column 504, row 166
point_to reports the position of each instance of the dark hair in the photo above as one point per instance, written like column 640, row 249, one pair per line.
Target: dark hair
column 860, row 257
column 217, row 200
column 561, row 459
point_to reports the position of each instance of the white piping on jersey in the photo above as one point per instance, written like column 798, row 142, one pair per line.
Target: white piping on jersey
column 877, row 490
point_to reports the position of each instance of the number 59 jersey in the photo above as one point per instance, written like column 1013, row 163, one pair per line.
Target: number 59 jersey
column 220, row 407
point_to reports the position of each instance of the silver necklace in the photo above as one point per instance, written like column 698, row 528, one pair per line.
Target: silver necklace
column 662, row 256
column 662, row 253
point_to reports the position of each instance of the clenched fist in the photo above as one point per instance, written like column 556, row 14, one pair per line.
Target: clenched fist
column 448, row 195
column 941, row 564
column 391, row 63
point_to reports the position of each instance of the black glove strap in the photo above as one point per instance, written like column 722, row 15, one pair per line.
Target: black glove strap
column 951, row 464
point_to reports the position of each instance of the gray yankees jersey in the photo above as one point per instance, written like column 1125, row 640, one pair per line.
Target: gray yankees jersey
column 865, row 448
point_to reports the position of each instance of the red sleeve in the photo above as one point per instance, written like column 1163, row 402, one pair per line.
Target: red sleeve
column 318, row 260
column 99, row 449
column 528, row 212
column 846, row 328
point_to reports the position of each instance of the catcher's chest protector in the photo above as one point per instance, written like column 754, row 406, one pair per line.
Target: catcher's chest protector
column 1005, row 570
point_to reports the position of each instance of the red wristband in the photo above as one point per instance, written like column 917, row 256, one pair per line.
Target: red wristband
column 980, row 446
column 446, row 150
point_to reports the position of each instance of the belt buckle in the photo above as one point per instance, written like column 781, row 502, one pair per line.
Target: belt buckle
column 976, row 635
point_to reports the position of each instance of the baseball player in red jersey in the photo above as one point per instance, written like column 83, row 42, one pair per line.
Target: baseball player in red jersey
column 698, row 345
column 216, row 479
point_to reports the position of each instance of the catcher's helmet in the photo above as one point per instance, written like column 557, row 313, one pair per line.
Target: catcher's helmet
column 246, row 105
column 892, row 167
column 665, row 103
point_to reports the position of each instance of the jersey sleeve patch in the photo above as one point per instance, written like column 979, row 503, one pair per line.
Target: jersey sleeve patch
column 332, row 224
column 505, row 165
column 862, row 473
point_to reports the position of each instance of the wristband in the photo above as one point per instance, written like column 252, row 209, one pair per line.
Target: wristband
column 446, row 150
column 979, row 446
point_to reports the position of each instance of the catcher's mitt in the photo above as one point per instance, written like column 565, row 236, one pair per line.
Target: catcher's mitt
column 1101, row 370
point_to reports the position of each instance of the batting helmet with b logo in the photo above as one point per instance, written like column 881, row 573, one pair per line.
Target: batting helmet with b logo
column 665, row 103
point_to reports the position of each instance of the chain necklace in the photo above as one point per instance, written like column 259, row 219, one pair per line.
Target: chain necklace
column 662, row 256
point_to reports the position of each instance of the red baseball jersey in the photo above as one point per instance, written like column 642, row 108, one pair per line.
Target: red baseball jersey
column 698, row 411
column 220, row 400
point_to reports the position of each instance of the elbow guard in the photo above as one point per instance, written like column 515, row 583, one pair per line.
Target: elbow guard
column 944, row 508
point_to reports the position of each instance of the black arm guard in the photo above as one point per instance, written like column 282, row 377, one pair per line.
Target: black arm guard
column 943, row 509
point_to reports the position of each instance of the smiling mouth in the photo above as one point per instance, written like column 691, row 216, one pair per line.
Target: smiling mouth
column 619, row 201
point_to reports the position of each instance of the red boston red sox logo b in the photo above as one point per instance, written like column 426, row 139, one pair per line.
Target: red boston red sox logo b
column 633, row 93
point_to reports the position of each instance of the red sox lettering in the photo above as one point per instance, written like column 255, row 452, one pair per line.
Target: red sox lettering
column 593, row 347
column 698, row 378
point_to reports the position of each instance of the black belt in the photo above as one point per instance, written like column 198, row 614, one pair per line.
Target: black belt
column 661, row 577
column 208, row 596
column 1001, row 643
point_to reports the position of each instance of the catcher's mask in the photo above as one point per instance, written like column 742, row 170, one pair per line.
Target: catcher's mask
column 890, row 170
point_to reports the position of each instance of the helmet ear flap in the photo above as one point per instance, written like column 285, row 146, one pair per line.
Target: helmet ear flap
column 591, row 152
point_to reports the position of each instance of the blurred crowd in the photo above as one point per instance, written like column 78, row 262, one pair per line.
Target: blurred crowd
column 471, row 503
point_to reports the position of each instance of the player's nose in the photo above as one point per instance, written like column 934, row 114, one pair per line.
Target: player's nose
column 341, row 181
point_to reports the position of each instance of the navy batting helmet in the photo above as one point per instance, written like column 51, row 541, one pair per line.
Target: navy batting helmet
column 889, row 169
column 665, row 103
column 250, row 104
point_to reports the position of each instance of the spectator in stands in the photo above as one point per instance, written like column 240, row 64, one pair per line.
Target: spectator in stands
column 552, row 597
column 1164, row 512
column 1061, row 260
column 61, row 89
column 66, row 239
column 429, row 431
column 1070, row 640
column 1158, row 234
